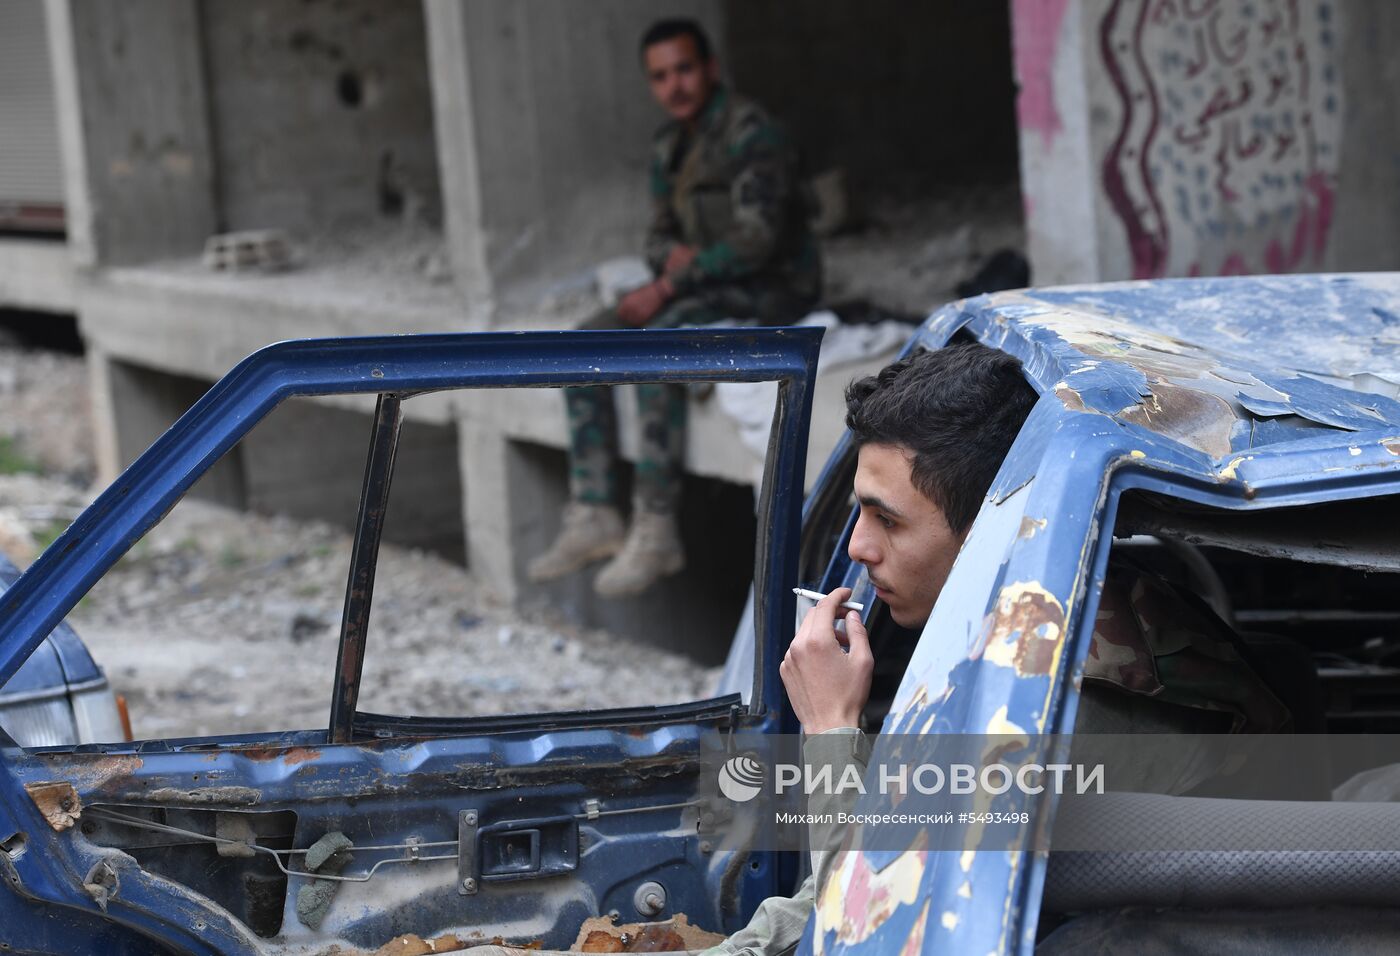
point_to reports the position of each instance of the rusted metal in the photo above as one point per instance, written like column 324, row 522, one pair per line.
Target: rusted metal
column 599, row 934
column 1024, row 629
column 288, row 755
column 57, row 801
column 369, row 528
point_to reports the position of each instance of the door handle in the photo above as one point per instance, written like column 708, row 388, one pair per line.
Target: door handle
column 513, row 849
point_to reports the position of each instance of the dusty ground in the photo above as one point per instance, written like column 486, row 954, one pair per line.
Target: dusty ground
column 221, row 622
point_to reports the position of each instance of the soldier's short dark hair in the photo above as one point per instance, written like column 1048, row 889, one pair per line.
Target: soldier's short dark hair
column 672, row 27
column 958, row 409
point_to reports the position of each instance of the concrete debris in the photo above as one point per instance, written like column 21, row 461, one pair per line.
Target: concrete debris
column 47, row 424
column 910, row 252
column 258, row 250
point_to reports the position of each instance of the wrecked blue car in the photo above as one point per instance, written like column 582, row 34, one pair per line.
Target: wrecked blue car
column 60, row 696
column 1242, row 433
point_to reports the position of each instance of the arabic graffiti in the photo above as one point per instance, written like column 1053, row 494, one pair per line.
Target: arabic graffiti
column 1225, row 152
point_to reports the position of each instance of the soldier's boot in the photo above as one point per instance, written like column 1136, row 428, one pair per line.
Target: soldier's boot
column 591, row 532
column 653, row 550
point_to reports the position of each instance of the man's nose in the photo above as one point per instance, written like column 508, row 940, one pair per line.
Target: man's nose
column 861, row 547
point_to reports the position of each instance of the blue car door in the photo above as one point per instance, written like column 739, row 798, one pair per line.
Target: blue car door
column 519, row 827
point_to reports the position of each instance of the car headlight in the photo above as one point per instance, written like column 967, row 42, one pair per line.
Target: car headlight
column 39, row 720
column 97, row 715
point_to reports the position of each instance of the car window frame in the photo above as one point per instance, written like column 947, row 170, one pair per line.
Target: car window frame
column 405, row 366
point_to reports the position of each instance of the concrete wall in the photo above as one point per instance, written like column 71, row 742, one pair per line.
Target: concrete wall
column 879, row 87
column 308, row 460
column 544, row 121
column 129, row 89
column 321, row 113
column 1217, row 138
column 305, row 460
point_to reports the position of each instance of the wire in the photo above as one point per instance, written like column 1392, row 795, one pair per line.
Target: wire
column 139, row 823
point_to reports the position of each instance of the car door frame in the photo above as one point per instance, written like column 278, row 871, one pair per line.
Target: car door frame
column 56, row 867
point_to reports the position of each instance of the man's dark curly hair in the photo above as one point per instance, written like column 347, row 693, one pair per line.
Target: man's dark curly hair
column 957, row 409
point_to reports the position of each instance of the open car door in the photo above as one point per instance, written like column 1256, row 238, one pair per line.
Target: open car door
column 518, row 827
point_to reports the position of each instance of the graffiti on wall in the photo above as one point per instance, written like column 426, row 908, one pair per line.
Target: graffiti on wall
column 1225, row 152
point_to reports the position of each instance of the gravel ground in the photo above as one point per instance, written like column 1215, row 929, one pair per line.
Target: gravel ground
column 224, row 622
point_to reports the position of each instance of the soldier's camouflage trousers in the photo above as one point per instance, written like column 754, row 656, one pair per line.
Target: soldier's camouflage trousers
column 661, row 409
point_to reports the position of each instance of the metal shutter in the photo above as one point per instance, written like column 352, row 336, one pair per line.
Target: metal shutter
column 31, row 173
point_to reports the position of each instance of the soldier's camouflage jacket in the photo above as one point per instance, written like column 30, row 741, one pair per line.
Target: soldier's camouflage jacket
column 731, row 190
column 1154, row 639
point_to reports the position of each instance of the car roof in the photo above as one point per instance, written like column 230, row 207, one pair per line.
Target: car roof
column 1216, row 365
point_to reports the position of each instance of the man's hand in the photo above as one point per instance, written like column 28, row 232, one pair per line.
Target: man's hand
column 640, row 306
column 828, row 687
column 679, row 257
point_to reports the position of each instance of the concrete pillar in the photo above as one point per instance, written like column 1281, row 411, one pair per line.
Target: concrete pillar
column 543, row 122
column 129, row 89
column 1058, row 178
column 104, row 417
column 1173, row 139
column 506, row 494
column 456, row 133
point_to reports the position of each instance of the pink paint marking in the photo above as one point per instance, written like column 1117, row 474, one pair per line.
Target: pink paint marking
column 1234, row 265
column 858, row 894
column 1310, row 231
column 1324, row 199
column 1035, row 36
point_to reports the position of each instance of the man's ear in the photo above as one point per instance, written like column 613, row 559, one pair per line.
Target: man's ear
column 712, row 69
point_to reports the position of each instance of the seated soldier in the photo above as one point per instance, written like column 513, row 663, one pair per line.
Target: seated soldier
column 728, row 240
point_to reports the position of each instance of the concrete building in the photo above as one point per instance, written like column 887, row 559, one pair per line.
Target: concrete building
column 464, row 164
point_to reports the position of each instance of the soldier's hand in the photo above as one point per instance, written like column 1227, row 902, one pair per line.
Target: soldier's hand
column 828, row 684
column 640, row 306
column 679, row 258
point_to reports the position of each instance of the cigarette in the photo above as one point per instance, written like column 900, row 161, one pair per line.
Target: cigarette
column 817, row 596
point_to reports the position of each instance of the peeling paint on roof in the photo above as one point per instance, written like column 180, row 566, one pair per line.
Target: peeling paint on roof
column 1170, row 356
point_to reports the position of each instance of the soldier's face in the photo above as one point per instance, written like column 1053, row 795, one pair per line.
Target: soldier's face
column 901, row 537
column 680, row 80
